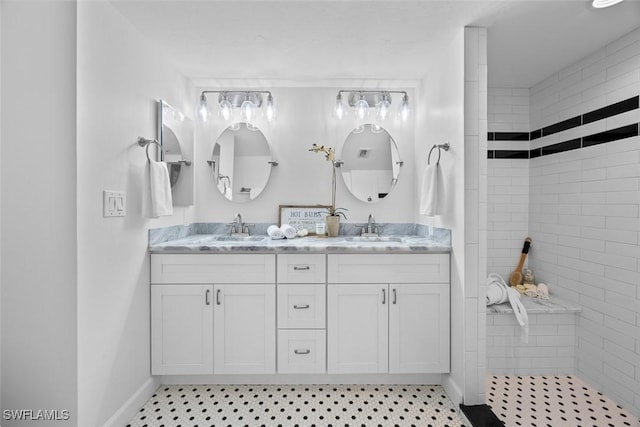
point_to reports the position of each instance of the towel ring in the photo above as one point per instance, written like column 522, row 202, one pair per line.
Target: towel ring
column 440, row 147
column 144, row 142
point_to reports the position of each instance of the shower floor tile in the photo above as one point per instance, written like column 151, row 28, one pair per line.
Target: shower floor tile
column 552, row 401
column 298, row 405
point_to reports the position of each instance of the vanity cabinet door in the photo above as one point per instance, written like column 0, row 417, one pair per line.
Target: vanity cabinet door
column 181, row 329
column 244, row 329
column 357, row 332
column 419, row 328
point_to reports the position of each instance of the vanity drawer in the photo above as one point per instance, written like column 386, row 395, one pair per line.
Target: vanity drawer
column 388, row 268
column 213, row 268
column 301, row 268
column 301, row 351
column 301, row 306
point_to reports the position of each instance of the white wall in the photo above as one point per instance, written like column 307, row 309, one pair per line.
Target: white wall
column 38, row 176
column 439, row 118
column 303, row 177
column 584, row 215
column 121, row 75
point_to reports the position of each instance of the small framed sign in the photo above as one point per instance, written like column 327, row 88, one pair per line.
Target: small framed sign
column 303, row 217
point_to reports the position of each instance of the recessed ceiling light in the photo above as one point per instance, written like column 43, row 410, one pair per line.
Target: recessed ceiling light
column 599, row 4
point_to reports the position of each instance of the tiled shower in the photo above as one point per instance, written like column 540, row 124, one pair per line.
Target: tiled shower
column 564, row 169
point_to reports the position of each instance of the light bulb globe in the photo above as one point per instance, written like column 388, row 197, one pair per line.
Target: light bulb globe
column 247, row 109
column 384, row 107
column 203, row 110
column 225, row 108
column 362, row 108
column 339, row 110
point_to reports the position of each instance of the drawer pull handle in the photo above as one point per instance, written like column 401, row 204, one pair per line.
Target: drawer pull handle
column 206, row 297
column 305, row 351
column 218, row 296
column 300, row 307
column 305, row 268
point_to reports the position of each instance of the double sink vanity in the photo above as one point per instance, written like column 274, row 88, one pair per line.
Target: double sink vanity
column 246, row 305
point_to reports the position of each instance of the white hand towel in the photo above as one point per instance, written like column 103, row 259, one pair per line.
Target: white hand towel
column 289, row 231
column 497, row 290
column 275, row 233
column 161, row 201
column 429, row 203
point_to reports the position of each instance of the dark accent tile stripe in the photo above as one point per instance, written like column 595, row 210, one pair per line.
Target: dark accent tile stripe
column 511, row 136
column 536, row 152
column 611, row 110
column 563, row 125
column 611, row 135
column 572, row 144
column 623, row 132
column 535, row 134
column 511, row 154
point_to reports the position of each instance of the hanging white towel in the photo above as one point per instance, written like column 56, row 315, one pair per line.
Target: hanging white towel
column 161, row 201
column 429, row 203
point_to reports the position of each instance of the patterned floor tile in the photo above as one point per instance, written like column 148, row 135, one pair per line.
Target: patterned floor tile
column 553, row 401
column 298, row 406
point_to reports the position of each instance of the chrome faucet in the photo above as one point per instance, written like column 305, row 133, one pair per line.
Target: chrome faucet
column 238, row 227
column 371, row 229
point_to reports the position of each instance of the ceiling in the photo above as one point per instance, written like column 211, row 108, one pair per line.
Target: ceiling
column 309, row 41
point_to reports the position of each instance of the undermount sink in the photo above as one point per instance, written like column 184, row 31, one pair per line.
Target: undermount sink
column 373, row 239
column 240, row 238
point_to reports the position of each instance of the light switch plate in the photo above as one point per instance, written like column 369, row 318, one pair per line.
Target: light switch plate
column 114, row 203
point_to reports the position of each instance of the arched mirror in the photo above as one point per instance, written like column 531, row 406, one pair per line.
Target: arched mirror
column 241, row 162
column 371, row 163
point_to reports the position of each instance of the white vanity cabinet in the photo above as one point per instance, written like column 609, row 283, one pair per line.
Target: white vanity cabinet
column 244, row 325
column 213, row 314
column 181, row 329
column 388, row 313
column 302, row 313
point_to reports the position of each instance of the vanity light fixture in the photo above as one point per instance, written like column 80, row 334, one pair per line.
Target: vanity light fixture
column 363, row 100
column 247, row 101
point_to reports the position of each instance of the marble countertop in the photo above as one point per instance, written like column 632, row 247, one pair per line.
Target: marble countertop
column 553, row 305
column 207, row 240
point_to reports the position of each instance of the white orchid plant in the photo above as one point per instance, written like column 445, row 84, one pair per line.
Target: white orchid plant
column 330, row 155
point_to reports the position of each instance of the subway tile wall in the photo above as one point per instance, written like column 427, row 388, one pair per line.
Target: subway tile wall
column 507, row 181
column 583, row 210
column 549, row 350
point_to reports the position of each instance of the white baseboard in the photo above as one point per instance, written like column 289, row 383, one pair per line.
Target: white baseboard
column 453, row 391
column 434, row 379
column 137, row 400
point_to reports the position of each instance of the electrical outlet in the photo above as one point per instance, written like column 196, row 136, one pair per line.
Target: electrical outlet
column 114, row 203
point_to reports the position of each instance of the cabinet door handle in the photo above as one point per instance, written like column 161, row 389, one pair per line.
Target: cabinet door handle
column 206, row 297
column 305, row 351
column 384, row 296
column 296, row 268
column 300, row 307
column 217, row 296
column 395, row 296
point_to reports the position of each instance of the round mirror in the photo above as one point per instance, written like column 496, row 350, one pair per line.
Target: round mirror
column 371, row 163
column 240, row 162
